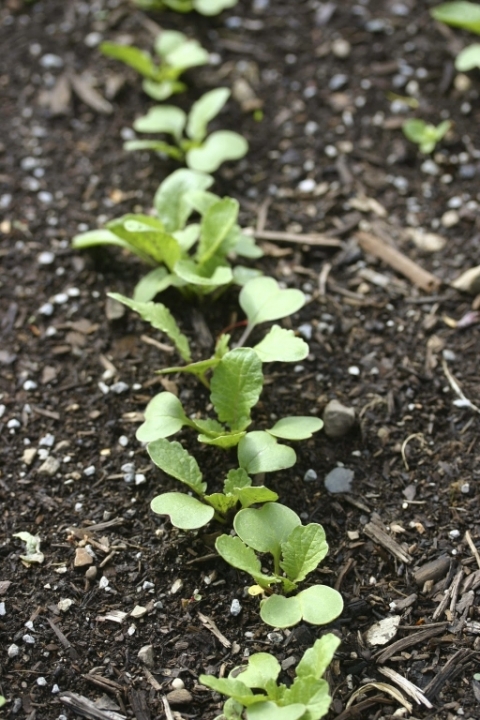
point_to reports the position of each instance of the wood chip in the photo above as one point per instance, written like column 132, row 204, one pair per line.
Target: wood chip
column 408, row 687
column 377, row 532
column 86, row 708
column 4, row 585
column 84, row 89
column 433, row 570
column 398, row 261
column 452, row 668
column 210, row 625
column 316, row 240
column 420, row 636
column 138, row 701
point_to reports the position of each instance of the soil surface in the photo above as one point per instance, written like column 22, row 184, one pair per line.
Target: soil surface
column 328, row 157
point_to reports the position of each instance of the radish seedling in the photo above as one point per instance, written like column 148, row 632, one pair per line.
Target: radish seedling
column 204, row 7
column 425, row 135
column 465, row 15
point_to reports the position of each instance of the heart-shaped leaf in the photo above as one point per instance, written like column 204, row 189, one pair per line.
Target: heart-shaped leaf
column 164, row 416
column 266, row 528
column 256, row 495
column 189, row 54
column 236, row 385
column 296, row 428
column 259, row 452
column 311, row 691
column 148, row 238
column 280, row 611
column 281, row 345
column 204, row 110
column 167, row 41
column 173, row 459
column 468, row 58
column 184, row 511
column 318, row 605
column 219, row 147
column 171, row 199
column 303, row 551
column 262, row 300
column 162, row 119
column 260, row 670
column 213, row 7
column 271, row 711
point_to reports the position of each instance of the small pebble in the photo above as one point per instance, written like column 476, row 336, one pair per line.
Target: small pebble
column 338, row 419
column 50, row 61
column 450, row 218
column 429, row 167
column 55, row 690
column 275, row 637
column 140, row 478
column 308, row 185
column 145, row 655
column 465, row 488
column 454, row 534
column 13, row 424
column 341, row 48
column 123, row 440
column 82, row 558
column 47, row 440
column 338, row 81
column 41, row 681
column 28, row 639
column 45, row 197
column 13, row 650
column 353, row 370
column 46, row 258
column 29, row 385
column 93, row 39
column 310, row 476
column 60, row 299
column 46, row 309
column 178, row 684
column 89, row 471
column 3, row 610
column 91, row 573
column 49, row 467
column 339, row 480
column 119, row 387
column 103, row 583
column 235, row 607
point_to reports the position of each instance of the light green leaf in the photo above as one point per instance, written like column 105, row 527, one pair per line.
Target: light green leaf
column 148, row 237
column 171, row 199
column 267, row 528
column 174, row 460
column 217, row 222
column 232, row 710
column 32, row 543
column 202, row 200
column 236, row 385
column 220, row 502
column 236, row 480
column 259, row 452
column 320, row 604
column 242, row 274
column 256, row 495
column 184, row 511
column 298, row 427
column 204, row 110
column 167, row 41
column 281, row 345
column 213, row 7
column 162, row 119
column 155, row 145
column 468, row 58
column 317, row 658
column 234, row 688
column 187, row 55
column 313, row 693
column 93, row 238
column 239, row 556
column 219, row 147
column 162, row 90
column 160, row 318
column 153, row 283
column 209, row 427
column 263, row 300
column 303, row 551
column 188, row 270
column 280, row 611
column 132, row 56
column 271, row 711
column 261, row 668
column 198, row 368
column 464, row 15
column 187, row 237
column 164, row 416
column 224, row 440
column 247, row 247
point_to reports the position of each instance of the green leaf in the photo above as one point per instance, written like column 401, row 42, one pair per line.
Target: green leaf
column 247, row 247
column 468, row 58
column 187, row 237
column 171, row 199
column 157, row 146
column 236, row 385
column 281, row 345
column 298, row 427
column 187, row 55
column 160, row 318
column 212, row 7
column 232, row 710
column 215, row 226
column 236, row 479
column 242, row 274
column 256, row 495
column 282, row 612
column 132, row 56
column 317, row 658
column 184, row 511
column 162, row 90
column 313, row 693
column 162, row 119
column 219, row 147
column 271, row 711
column 237, row 554
column 167, row 41
column 93, row 238
column 464, row 15
column 174, row 460
column 267, row 528
column 320, row 604
column 261, row 668
column 147, row 235
column 198, row 368
column 209, row 427
column 153, row 283
column 234, row 688
column 202, row 200
column 224, row 440
column 262, row 300
column 189, row 271
column 303, row 551
column 204, row 110
column 259, row 452
column 220, row 502
column 164, row 416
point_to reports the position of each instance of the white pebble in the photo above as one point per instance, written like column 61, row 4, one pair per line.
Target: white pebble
column 13, row 650
column 305, row 330
column 13, row 424
column 46, row 309
column 307, row 185
column 28, row 639
column 119, row 387
column 353, row 370
column 78, row 506
column 140, row 478
column 3, row 610
column 235, row 607
column 46, row 258
column 465, row 488
column 178, row 684
column 310, row 475
column 103, row 583
column 73, row 292
column 30, row 385
column 429, row 167
column 123, row 440
column 60, row 299
column 45, row 197
column 41, row 681
column 450, row 218
column 47, row 440
column 341, row 48
column 55, row 689
column 89, row 471
column 131, row 630
column 454, row 534
column 93, row 39
column 50, row 61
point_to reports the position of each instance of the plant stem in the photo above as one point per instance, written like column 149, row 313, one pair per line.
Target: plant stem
column 245, row 336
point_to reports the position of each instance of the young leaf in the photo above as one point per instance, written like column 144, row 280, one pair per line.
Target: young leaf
column 317, row 658
column 148, row 237
column 224, row 440
column 217, row 222
column 212, row 7
column 153, row 283
column 232, row 710
column 281, row 345
column 184, row 511
column 312, row 692
column 255, row 495
column 234, row 688
column 303, row 551
column 189, row 271
column 132, row 56
column 204, row 110
column 189, row 54
column 236, row 385
column 262, row 300
column 242, row 274
column 198, row 368
column 259, row 452
column 271, row 711
column 167, row 41
column 267, row 528
column 202, row 200
column 235, row 480
column 164, row 416
column 162, row 119
column 162, row 90
column 220, row 502
column 92, row 238
column 187, row 237
column 468, row 58
column 296, row 428
column 261, row 668
column 219, row 147
column 246, row 246
column 237, row 554
column 459, row 14
column 320, row 604
column 156, row 145
column 171, row 199
column 160, row 318
column 174, row 460
column 280, row 611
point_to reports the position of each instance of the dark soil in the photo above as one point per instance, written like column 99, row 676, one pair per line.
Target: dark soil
column 378, row 344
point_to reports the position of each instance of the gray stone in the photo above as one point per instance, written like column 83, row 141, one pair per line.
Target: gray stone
column 339, row 480
column 49, row 467
column 338, row 419
column 145, row 655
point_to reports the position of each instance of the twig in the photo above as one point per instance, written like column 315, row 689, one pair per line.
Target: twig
column 161, row 346
column 316, row 240
column 407, row 686
column 166, row 707
column 262, row 215
column 472, row 547
column 322, row 279
column 420, row 436
column 210, row 625
column 462, row 400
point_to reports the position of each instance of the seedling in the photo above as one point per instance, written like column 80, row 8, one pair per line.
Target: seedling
column 164, row 241
column 307, row 698
column 425, row 135
column 205, row 7
column 176, row 54
column 464, row 15
column 189, row 513
column 200, row 152
column 296, row 551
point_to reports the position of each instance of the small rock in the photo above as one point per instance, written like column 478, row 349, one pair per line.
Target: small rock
column 338, row 81
column 82, row 558
column 341, row 48
column 179, row 697
column 47, row 440
column 338, row 419
column 310, row 476
column 339, row 480
column 450, row 218
column 65, row 604
column 114, row 310
column 41, row 682
column 235, row 607
column 178, row 684
column 119, row 387
column 13, row 650
column 91, row 573
column 468, row 281
column 29, row 455
column 50, row 61
column 138, row 611
column 46, row 258
column 145, row 655
column 383, row 631
column 49, row 467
